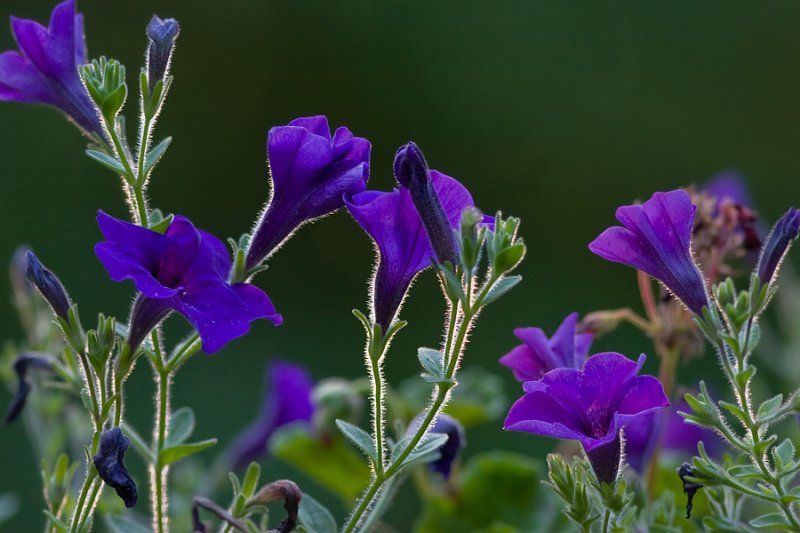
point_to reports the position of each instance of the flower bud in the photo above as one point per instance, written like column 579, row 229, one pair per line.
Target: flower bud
column 105, row 82
column 49, row 286
column 162, row 34
column 335, row 399
column 411, row 172
column 777, row 245
column 449, row 451
column 110, row 464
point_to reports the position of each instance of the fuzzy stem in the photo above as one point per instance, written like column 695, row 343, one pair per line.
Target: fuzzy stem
column 158, row 472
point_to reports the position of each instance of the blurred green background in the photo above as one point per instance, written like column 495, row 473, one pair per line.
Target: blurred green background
column 556, row 112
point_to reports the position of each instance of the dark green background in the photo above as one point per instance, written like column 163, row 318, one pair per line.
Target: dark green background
column 556, row 112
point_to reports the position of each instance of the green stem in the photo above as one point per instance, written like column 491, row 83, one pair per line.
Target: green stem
column 159, row 472
column 90, row 384
column 606, row 520
column 377, row 405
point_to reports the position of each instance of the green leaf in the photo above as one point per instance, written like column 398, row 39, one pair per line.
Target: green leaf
column 360, row 438
column 501, row 288
column 162, row 225
column 251, row 479
column 314, row 517
column 784, row 454
column 771, row 520
column 181, row 426
column 432, row 361
column 509, row 258
column 154, row 155
column 107, row 161
column 125, row 524
column 332, row 463
column 175, row 453
column 770, row 407
column 56, row 522
column 426, row 450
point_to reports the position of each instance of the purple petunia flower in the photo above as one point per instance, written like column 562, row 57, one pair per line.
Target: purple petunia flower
column 45, row 70
column 538, row 354
column 287, row 399
column 678, row 437
column 590, row 405
column 728, row 185
column 309, row 173
column 404, row 250
column 185, row 270
column 777, row 245
column 656, row 239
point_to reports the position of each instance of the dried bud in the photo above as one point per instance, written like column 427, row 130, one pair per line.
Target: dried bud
column 162, row 34
column 21, row 365
column 777, row 245
column 49, row 286
column 411, row 171
column 689, row 488
column 285, row 490
column 110, row 464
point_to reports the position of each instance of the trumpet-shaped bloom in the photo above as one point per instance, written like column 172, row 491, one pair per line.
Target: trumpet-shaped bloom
column 404, row 249
column 45, row 69
column 777, row 245
column 538, row 354
column 590, row 405
column 186, row 270
column 310, row 171
column 655, row 238
column 287, row 399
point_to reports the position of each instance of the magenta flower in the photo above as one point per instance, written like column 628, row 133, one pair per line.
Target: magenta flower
column 404, row 249
column 45, row 70
column 287, row 399
column 777, row 245
column 538, row 354
column 590, row 405
column 310, row 171
column 656, row 239
column 185, row 270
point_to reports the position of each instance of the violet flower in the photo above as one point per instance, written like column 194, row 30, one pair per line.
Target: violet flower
column 450, row 450
column 656, row 239
column 397, row 230
column 22, row 364
column 162, row 34
column 287, row 399
column 110, row 464
column 309, row 173
column 590, row 405
column 729, row 186
column 538, row 354
column 45, row 70
column 185, row 270
column 777, row 245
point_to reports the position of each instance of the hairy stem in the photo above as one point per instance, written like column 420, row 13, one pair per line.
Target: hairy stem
column 159, row 472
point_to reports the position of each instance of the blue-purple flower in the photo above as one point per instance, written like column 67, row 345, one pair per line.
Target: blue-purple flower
column 590, row 405
column 777, row 245
column 538, row 354
column 110, row 464
column 287, row 399
column 656, row 239
column 45, row 69
column 728, row 186
column 404, row 249
column 310, row 171
column 185, row 270
column 450, row 450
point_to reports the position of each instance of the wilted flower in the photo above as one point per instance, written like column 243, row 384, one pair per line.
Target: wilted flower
column 161, row 34
column 45, row 70
column 656, row 239
column 449, row 451
column 22, row 363
column 184, row 270
column 538, row 354
column 777, row 245
column 404, row 250
column 110, row 464
column 309, row 173
column 591, row 406
column 50, row 287
column 287, row 399
column 689, row 488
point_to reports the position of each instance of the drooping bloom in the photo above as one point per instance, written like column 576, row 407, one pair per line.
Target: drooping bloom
column 49, row 286
column 22, row 364
column 777, row 245
column 287, row 399
column 404, row 250
column 162, row 34
column 186, row 270
column 538, row 354
column 110, row 464
column 449, row 451
column 590, row 405
column 45, row 70
column 656, row 239
column 677, row 437
column 310, row 171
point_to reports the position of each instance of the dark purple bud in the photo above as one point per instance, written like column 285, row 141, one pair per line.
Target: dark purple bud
column 777, row 245
column 689, row 488
column 110, row 464
column 411, row 171
column 145, row 315
column 162, row 34
column 450, row 450
column 49, row 286
column 21, row 365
